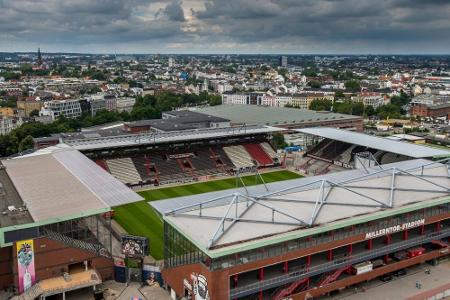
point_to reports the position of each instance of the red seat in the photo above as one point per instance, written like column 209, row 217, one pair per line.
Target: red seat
column 258, row 154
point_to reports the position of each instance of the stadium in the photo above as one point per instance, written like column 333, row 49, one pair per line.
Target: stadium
column 219, row 208
column 306, row 237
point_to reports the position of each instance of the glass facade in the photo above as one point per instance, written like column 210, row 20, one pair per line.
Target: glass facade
column 180, row 251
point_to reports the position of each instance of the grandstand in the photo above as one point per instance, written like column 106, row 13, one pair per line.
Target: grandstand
column 59, row 202
column 335, row 150
column 160, row 158
column 303, row 238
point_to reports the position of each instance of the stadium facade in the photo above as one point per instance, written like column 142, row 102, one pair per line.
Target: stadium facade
column 306, row 237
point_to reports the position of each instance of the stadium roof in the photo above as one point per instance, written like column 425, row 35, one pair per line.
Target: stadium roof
column 59, row 182
column 272, row 116
column 227, row 222
column 82, row 142
column 374, row 142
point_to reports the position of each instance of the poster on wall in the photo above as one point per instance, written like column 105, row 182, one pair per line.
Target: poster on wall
column 25, row 264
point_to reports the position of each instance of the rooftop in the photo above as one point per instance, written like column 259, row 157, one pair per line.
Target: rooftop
column 82, row 141
column 272, row 116
column 179, row 120
column 226, row 222
column 59, row 182
column 374, row 142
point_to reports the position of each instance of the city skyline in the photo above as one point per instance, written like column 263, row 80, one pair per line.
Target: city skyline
column 233, row 27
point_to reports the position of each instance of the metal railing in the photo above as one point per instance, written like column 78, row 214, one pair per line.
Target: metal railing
column 95, row 248
column 300, row 272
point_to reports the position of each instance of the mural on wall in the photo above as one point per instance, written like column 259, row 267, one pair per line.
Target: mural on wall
column 197, row 287
column 25, row 264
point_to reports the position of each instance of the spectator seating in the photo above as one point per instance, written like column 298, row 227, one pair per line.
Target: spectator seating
column 269, row 150
column 258, row 154
column 144, row 167
column 124, row 170
column 239, row 156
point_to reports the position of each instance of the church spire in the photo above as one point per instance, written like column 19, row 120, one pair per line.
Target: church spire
column 39, row 58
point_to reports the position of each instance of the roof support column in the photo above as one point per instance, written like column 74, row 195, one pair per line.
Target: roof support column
column 437, row 226
column 369, row 244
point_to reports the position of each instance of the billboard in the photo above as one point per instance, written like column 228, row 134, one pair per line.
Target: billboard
column 134, row 246
column 25, row 264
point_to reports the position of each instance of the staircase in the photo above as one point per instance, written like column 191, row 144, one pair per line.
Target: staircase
column 30, row 294
column 332, row 276
column 285, row 292
column 440, row 244
column 95, row 248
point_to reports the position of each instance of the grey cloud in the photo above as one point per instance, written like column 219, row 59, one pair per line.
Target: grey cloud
column 243, row 25
column 174, row 11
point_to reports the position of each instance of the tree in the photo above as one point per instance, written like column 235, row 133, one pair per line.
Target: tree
column 34, row 113
column 321, row 105
column 315, row 84
column 369, row 111
column 278, row 141
column 339, row 94
column 353, row 86
column 389, row 111
column 215, row 100
column 26, row 143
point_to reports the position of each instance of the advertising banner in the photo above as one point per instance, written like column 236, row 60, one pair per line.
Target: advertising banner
column 25, row 264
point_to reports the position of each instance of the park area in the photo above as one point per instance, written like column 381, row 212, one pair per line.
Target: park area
column 139, row 218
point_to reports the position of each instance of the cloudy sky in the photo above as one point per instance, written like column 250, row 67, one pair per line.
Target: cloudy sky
column 226, row 26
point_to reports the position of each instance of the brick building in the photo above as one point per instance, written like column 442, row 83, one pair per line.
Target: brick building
column 435, row 111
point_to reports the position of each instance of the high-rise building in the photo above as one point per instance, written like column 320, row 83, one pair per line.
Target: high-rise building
column 283, row 61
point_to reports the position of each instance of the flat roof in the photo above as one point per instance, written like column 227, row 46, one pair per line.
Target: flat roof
column 59, row 182
column 82, row 142
column 11, row 205
column 374, row 142
column 231, row 221
column 272, row 116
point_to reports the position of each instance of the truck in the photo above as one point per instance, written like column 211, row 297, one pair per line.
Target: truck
column 362, row 268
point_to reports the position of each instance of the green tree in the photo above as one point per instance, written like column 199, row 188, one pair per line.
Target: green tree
column 389, row 111
column 321, row 105
column 315, row 84
column 353, row 86
column 369, row 111
column 34, row 113
column 339, row 94
column 26, row 143
column 278, row 141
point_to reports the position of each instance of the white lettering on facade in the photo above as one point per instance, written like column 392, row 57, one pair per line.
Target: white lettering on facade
column 394, row 229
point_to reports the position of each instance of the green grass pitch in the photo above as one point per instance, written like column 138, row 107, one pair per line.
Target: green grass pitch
column 140, row 219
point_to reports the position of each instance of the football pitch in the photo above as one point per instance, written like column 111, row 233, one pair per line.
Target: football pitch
column 139, row 218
